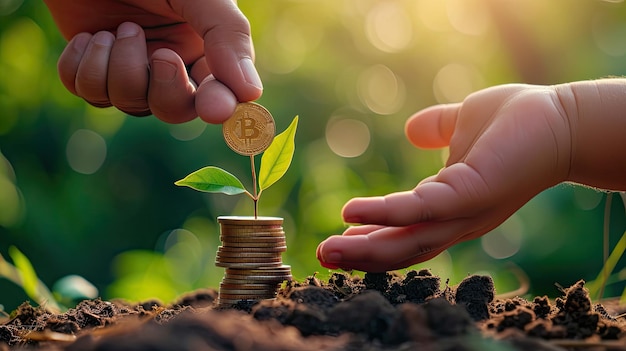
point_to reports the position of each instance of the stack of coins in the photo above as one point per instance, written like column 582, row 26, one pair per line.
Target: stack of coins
column 251, row 252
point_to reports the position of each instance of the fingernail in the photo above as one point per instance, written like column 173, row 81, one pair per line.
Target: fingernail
column 103, row 38
column 250, row 74
column 163, row 71
column 353, row 220
column 80, row 42
column 332, row 256
column 127, row 30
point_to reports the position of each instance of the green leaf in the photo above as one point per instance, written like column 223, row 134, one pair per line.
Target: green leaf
column 277, row 158
column 27, row 272
column 213, row 180
column 618, row 252
column 23, row 275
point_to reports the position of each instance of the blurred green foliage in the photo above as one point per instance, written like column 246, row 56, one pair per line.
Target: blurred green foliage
column 90, row 191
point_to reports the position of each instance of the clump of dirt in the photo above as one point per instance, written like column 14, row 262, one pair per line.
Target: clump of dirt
column 384, row 311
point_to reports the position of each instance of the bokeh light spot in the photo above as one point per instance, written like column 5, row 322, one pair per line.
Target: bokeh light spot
column 290, row 47
column 86, row 151
column 9, row 115
column 454, row 82
column 432, row 14
column 104, row 121
column 381, row 90
column 10, row 203
column 587, row 198
column 504, row 241
column 469, row 17
column 388, row 27
column 7, row 7
column 188, row 131
column 347, row 137
column 22, row 47
column 609, row 33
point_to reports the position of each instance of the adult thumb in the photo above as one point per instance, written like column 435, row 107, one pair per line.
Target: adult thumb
column 227, row 43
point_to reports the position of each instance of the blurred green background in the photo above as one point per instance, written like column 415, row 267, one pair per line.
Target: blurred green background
column 90, row 191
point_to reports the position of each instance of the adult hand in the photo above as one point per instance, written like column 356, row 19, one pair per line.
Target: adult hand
column 507, row 144
column 136, row 55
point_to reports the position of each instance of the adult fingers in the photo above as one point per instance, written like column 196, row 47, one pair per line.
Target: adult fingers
column 70, row 58
column 227, row 42
column 128, row 75
column 91, row 75
column 170, row 93
column 215, row 102
column 432, row 127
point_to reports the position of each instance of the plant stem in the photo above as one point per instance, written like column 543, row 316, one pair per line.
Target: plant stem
column 605, row 242
column 255, row 197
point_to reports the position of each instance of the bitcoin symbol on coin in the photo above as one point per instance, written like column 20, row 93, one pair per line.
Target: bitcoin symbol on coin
column 250, row 130
column 247, row 130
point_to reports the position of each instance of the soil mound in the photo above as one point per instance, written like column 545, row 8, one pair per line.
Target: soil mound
column 384, row 311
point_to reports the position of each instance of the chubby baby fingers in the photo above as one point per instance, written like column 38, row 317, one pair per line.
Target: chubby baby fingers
column 390, row 248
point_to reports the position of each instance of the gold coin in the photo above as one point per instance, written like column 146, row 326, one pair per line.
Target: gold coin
column 232, row 249
column 252, row 232
column 246, row 259
column 243, row 253
column 261, row 271
column 250, row 130
column 268, row 276
column 255, row 244
column 246, row 265
column 260, row 221
column 267, row 284
column 251, row 239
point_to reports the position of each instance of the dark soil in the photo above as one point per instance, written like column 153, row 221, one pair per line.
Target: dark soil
column 378, row 312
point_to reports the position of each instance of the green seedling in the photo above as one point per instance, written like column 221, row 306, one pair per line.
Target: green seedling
column 274, row 164
column 23, row 274
column 607, row 274
column 66, row 291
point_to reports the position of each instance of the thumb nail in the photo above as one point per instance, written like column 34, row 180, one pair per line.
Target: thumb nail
column 250, row 74
column 332, row 257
